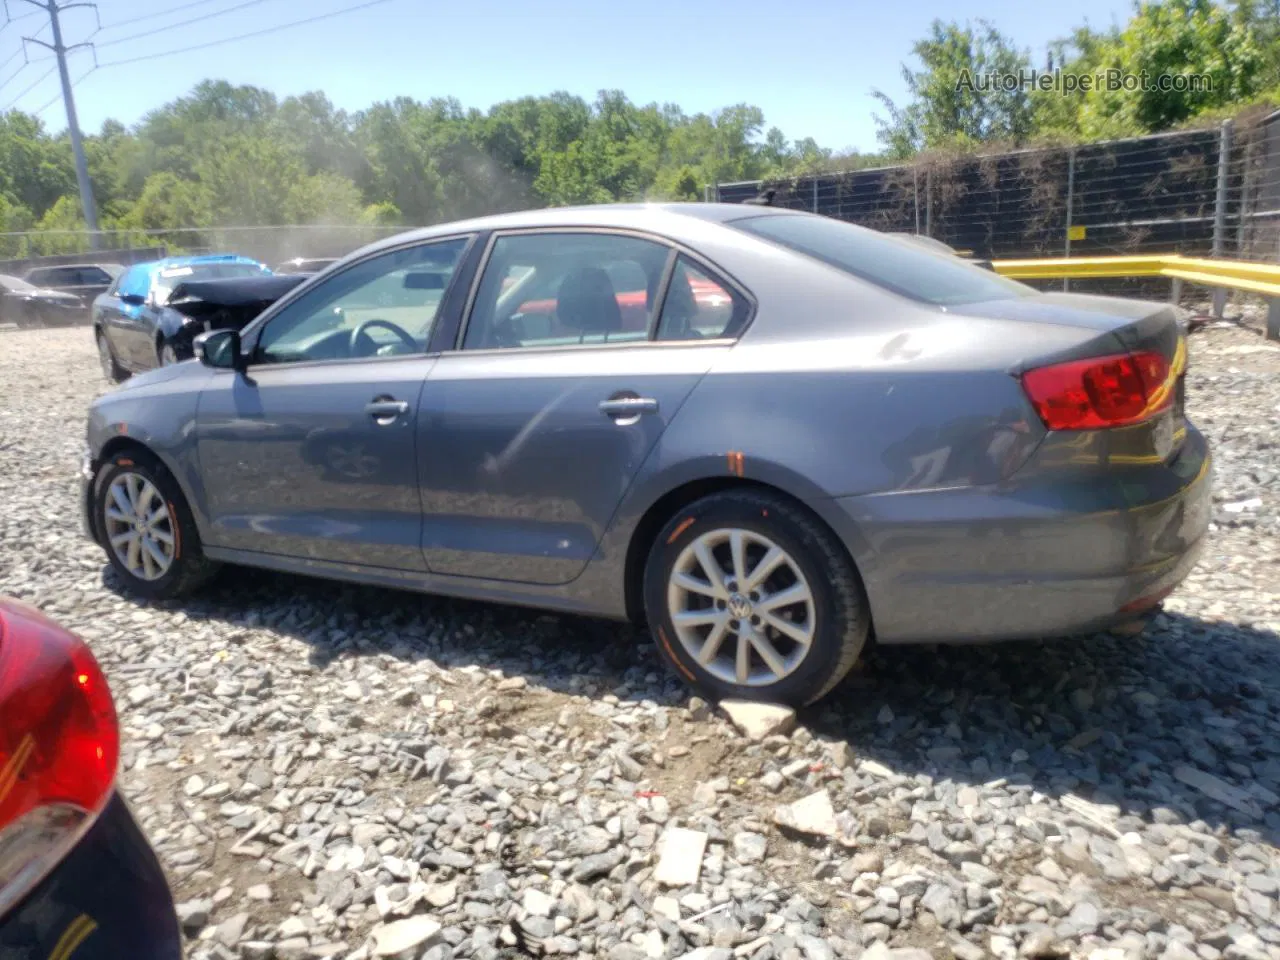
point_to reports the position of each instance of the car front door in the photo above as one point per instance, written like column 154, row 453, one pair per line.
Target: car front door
column 532, row 431
column 310, row 452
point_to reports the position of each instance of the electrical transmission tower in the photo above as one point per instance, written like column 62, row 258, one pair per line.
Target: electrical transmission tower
column 53, row 9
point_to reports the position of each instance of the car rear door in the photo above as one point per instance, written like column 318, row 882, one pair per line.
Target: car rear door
column 310, row 453
column 530, row 433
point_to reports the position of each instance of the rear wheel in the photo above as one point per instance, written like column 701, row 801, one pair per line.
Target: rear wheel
column 166, row 353
column 147, row 528
column 751, row 598
column 107, row 359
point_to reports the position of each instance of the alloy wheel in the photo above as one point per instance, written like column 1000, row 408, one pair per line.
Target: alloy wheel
column 139, row 525
column 741, row 607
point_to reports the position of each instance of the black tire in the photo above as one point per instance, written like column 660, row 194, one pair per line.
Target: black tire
column 189, row 568
column 111, row 368
column 841, row 616
column 166, row 353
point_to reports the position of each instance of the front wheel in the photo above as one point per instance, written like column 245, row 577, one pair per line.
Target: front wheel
column 111, row 368
column 167, row 353
column 147, row 528
column 750, row 597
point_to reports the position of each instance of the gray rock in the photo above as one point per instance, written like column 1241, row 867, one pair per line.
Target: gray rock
column 588, row 868
column 193, row 915
column 230, row 931
column 939, row 900
column 392, row 939
column 680, row 859
column 812, row 815
column 815, row 948
column 750, row 847
column 979, row 874
column 759, row 720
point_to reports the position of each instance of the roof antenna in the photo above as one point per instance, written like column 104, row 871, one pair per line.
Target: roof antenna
column 763, row 199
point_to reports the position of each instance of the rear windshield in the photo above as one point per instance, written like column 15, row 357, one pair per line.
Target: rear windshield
column 901, row 266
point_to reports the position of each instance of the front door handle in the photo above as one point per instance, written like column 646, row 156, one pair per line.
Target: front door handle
column 386, row 410
column 628, row 406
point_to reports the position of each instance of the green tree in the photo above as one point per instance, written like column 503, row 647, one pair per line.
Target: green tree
column 247, row 179
column 951, row 100
column 1175, row 38
column 34, row 170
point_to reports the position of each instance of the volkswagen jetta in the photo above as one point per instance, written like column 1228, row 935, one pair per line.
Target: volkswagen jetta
column 769, row 434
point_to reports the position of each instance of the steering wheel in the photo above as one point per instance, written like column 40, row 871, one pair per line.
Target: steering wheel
column 360, row 334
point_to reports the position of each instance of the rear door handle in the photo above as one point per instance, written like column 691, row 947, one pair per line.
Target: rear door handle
column 628, row 406
column 385, row 410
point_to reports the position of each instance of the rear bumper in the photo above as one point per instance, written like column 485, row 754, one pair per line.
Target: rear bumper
column 109, row 897
column 1050, row 557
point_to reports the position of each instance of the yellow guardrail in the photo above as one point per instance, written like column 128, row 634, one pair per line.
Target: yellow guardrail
column 1259, row 278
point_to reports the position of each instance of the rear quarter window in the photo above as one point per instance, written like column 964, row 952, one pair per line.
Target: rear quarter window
column 901, row 266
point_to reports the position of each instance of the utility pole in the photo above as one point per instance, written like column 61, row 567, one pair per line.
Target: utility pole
column 69, row 101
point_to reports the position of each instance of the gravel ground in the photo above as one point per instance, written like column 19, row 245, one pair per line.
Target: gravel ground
column 330, row 771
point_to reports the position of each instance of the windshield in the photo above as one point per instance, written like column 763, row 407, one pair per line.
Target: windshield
column 903, row 266
column 169, row 279
column 15, row 285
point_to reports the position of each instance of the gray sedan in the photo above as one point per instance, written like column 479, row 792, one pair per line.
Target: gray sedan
column 769, row 434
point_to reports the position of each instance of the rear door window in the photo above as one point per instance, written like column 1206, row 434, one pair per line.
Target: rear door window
column 562, row 288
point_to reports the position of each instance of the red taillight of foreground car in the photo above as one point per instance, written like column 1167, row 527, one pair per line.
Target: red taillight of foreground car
column 59, row 746
column 1101, row 392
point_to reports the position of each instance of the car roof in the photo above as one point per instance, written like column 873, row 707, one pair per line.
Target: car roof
column 670, row 219
column 170, row 263
column 60, row 266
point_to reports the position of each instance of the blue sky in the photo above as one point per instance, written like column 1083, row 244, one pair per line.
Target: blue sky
column 808, row 64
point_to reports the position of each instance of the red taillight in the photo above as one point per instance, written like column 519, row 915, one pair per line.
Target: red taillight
column 1100, row 392
column 59, row 745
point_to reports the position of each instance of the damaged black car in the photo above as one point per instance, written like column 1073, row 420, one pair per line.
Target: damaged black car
column 200, row 305
column 195, row 306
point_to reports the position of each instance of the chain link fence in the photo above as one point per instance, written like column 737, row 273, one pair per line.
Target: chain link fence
column 1213, row 192
column 271, row 245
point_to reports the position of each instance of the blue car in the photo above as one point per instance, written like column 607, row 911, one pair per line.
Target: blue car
column 132, row 324
column 78, row 880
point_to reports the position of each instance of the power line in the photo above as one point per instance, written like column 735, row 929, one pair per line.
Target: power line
column 35, row 83
column 246, row 36
column 13, row 76
column 53, row 9
column 158, row 14
column 182, row 23
column 58, row 96
column 21, row 16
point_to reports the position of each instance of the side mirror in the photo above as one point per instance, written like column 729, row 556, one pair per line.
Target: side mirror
column 133, row 299
column 219, row 349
